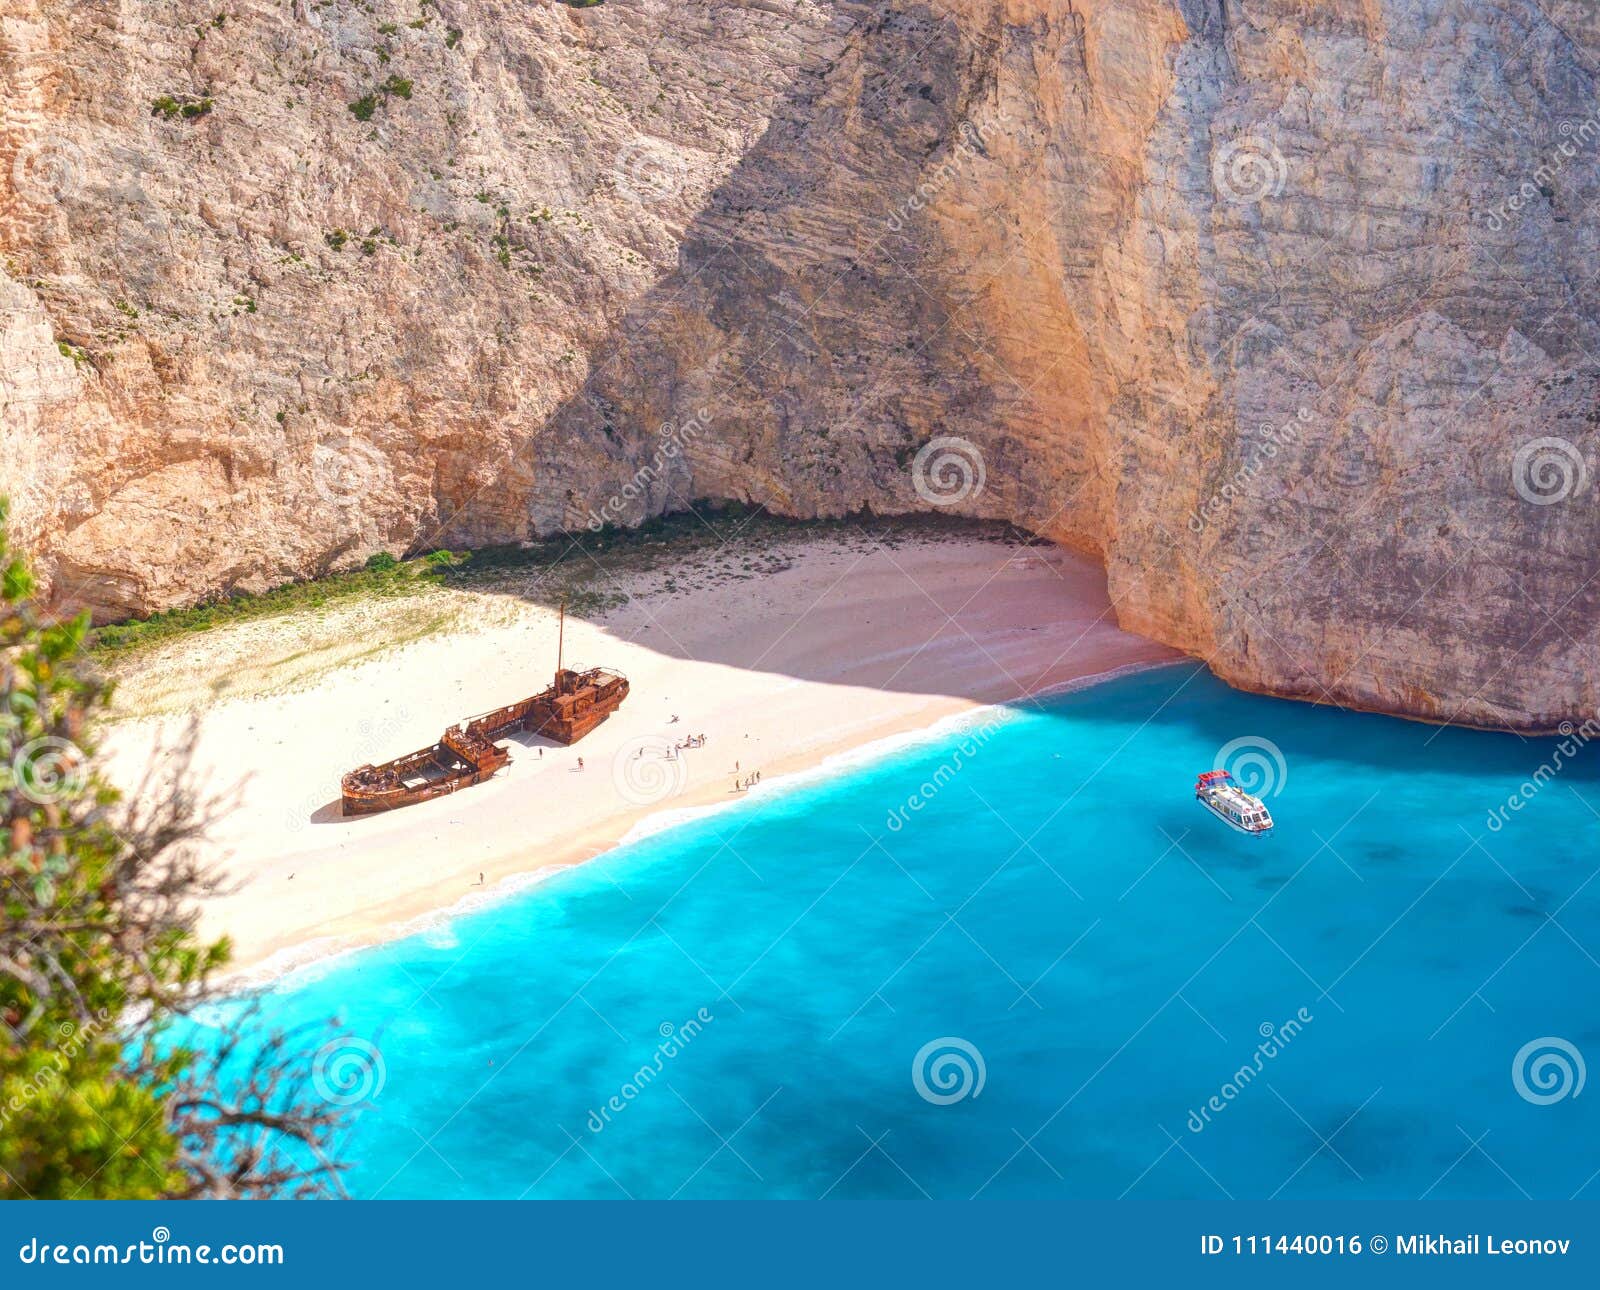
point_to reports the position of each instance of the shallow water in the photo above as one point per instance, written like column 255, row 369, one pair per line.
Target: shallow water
column 1108, row 955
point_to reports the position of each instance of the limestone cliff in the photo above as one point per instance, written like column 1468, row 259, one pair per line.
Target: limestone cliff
column 1286, row 308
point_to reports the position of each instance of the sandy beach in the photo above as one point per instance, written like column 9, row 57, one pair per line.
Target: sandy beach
column 828, row 645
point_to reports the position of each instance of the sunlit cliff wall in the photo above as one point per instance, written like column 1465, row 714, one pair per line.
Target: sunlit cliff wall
column 1286, row 310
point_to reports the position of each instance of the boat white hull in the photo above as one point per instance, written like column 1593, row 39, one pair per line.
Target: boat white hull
column 1233, row 823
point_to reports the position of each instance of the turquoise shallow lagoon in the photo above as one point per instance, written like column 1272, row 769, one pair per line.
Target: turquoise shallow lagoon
column 1107, row 953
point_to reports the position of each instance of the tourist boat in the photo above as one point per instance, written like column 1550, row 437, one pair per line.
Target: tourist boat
column 573, row 705
column 1216, row 791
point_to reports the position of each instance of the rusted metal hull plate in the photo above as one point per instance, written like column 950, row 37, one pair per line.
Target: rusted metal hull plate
column 467, row 754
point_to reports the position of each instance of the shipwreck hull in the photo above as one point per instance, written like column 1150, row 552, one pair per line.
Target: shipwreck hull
column 567, row 716
column 367, row 798
column 568, row 710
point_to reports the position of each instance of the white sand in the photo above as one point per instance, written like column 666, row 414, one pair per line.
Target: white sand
column 849, row 644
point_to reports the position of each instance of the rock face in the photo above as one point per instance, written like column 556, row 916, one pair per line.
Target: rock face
column 1286, row 309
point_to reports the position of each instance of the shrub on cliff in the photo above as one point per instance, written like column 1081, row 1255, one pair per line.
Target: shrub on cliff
column 186, row 108
column 395, row 87
column 100, row 965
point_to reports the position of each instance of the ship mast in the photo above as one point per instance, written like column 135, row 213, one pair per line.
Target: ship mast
column 561, row 636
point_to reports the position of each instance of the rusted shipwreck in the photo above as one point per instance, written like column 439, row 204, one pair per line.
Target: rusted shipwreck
column 573, row 705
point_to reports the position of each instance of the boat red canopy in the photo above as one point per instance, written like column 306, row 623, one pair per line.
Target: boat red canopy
column 1211, row 775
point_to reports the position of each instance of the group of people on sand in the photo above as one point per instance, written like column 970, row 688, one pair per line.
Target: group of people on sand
column 741, row 783
column 690, row 741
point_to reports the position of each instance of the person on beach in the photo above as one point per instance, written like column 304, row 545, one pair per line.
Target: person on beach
column 580, row 763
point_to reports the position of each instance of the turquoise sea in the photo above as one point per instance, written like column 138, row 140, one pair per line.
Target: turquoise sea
column 1031, row 984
